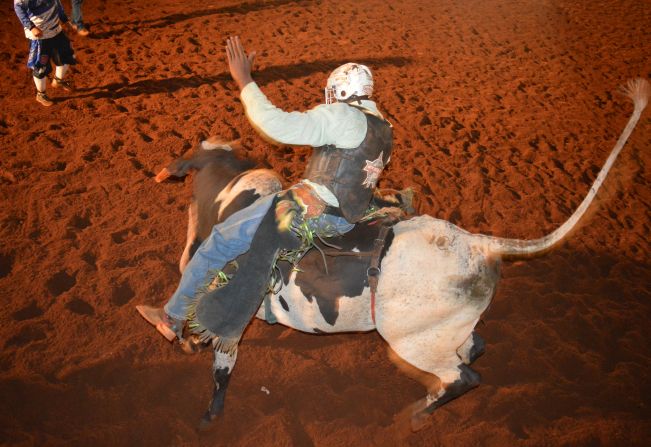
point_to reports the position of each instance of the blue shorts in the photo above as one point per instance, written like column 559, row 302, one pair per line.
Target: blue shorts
column 56, row 49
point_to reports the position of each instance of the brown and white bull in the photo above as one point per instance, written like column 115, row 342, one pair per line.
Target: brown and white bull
column 426, row 315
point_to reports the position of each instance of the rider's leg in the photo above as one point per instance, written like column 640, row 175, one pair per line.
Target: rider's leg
column 328, row 225
column 226, row 242
column 222, row 314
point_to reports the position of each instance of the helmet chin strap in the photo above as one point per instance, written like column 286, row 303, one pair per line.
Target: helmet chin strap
column 330, row 97
column 356, row 98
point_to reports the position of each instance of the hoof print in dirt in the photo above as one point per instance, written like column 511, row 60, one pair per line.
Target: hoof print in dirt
column 122, row 294
column 80, row 307
column 60, row 282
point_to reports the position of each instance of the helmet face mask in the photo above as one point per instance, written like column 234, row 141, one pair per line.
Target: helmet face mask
column 330, row 95
column 349, row 81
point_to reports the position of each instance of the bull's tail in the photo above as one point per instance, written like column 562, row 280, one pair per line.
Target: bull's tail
column 638, row 90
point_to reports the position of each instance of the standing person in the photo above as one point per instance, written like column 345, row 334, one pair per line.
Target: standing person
column 42, row 20
column 77, row 21
column 352, row 144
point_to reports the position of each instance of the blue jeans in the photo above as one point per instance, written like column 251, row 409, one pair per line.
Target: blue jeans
column 77, row 19
column 226, row 242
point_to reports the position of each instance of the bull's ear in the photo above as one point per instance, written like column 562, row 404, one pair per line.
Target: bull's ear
column 213, row 142
column 235, row 145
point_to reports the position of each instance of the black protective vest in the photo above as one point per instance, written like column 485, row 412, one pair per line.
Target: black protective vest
column 351, row 174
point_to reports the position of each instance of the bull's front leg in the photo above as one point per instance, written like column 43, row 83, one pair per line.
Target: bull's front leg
column 222, row 369
column 191, row 239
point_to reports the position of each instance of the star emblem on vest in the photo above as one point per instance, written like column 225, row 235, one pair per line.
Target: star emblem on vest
column 373, row 170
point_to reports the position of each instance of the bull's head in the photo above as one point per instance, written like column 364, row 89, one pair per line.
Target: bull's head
column 207, row 150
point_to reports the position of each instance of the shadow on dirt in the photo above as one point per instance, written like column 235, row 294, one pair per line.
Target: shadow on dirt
column 267, row 75
column 166, row 21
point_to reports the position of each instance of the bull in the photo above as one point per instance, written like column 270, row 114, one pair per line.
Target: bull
column 426, row 315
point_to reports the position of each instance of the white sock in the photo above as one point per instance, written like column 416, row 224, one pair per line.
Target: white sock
column 60, row 71
column 40, row 84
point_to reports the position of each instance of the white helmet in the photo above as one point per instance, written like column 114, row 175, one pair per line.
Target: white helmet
column 349, row 80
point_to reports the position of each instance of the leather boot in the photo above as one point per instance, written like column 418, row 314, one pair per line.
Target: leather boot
column 169, row 327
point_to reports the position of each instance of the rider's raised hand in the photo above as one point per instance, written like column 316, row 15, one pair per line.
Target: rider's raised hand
column 239, row 63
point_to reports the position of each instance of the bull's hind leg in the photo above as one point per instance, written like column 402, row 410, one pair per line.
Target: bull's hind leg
column 465, row 379
column 453, row 382
column 443, row 384
column 222, row 369
column 471, row 349
column 438, row 357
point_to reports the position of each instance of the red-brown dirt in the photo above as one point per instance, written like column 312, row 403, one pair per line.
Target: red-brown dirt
column 504, row 111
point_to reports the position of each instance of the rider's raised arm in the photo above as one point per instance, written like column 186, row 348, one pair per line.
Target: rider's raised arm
column 327, row 124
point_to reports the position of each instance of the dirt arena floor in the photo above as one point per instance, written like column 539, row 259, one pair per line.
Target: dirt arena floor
column 504, row 112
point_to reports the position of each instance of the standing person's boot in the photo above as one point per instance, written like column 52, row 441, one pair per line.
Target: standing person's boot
column 80, row 30
column 169, row 327
column 60, row 83
column 77, row 18
column 43, row 99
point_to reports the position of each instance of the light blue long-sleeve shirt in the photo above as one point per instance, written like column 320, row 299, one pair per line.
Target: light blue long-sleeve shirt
column 335, row 124
column 43, row 14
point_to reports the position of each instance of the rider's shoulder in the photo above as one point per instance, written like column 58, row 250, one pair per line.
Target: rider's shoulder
column 342, row 108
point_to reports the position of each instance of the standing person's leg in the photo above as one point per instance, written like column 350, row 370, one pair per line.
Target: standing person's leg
column 226, row 242
column 59, row 73
column 63, row 56
column 39, row 62
column 77, row 18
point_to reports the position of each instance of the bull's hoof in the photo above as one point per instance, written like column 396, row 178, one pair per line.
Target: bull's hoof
column 207, row 422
